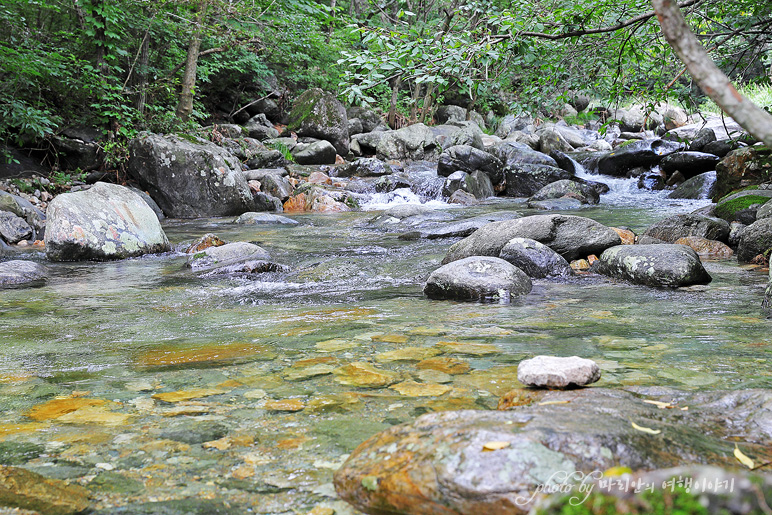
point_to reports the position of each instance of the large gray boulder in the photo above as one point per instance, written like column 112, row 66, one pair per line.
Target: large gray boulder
column 18, row 273
column 499, row 462
column 638, row 153
column 680, row 226
column 476, row 184
column 469, row 159
column 584, row 193
column 105, row 222
column 189, row 178
column 513, row 153
column 535, row 259
column 756, row 239
column 320, row 115
column 700, row 186
column 658, row 265
column 477, row 278
column 320, row 152
column 238, row 257
column 413, row 143
column 570, row 236
column 23, row 208
column 524, row 180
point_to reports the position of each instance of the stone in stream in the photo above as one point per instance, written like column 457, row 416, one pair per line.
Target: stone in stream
column 232, row 258
column 477, row 278
column 462, row 227
column 23, row 208
column 689, row 163
column 523, row 180
column 570, row 236
column 493, row 462
column 477, row 184
column 584, row 193
column 469, row 159
column 318, row 114
column 17, row 273
column 413, row 143
column 105, row 222
column 756, row 239
column 639, row 153
column 189, row 177
column 698, row 187
column 14, row 229
column 680, row 226
column 252, row 218
column 742, row 206
column 664, row 265
column 707, row 248
column 741, row 168
column 320, row 152
column 20, row 488
column 192, row 506
column 535, row 259
column 557, row 372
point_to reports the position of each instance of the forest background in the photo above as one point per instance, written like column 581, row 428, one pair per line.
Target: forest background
column 123, row 66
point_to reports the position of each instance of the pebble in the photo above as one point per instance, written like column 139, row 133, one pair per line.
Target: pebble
column 557, row 372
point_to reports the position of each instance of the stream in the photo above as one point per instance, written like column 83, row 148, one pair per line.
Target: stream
column 146, row 383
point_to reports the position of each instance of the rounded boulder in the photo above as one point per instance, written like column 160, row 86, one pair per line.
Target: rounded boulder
column 477, row 278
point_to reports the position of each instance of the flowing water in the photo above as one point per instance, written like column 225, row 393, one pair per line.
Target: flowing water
column 146, row 382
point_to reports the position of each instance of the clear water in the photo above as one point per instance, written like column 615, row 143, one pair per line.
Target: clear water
column 122, row 332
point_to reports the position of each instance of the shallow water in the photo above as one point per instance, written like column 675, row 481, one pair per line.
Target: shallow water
column 82, row 358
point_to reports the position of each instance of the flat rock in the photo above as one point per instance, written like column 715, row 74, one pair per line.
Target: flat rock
column 572, row 237
column 105, row 222
column 680, row 226
column 21, row 273
column 477, row 278
column 664, row 265
column 557, row 372
column 234, row 257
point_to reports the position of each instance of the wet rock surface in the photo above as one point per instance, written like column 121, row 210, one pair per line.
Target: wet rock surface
column 104, row 222
column 557, row 372
column 662, row 265
column 16, row 273
column 493, row 462
column 680, row 226
column 535, row 259
column 477, row 278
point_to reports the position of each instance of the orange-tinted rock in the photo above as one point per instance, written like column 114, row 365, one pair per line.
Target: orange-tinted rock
column 205, row 242
column 580, row 265
column 290, row 405
column 518, row 397
column 295, row 204
column 214, row 353
column 55, row 408
column 706, row 248
column 364, row 375
column 186, row 395
column 627, row 237
column 20, row 488
column 319, row 178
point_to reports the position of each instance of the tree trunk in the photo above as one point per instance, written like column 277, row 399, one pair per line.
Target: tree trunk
column 426, row 115
column 393, row 105
column 185, row 105
column 140, row 80
column 707, row 75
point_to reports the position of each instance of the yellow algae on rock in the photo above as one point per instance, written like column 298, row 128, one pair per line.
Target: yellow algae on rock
column 95, row 415
column 472, row 349
column 20, row 488
column 186, row 395
column 414, row 389
column 290, row 405
column 450, row 366
column 364, row 375
column 407, row 354
column 334, row 345
column 389, row 338
column 59, row 406
column 28, row 427
column 165, row 357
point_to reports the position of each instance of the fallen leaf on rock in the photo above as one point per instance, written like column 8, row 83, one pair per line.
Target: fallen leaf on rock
column 495, row 446
column 742, row 458
column 646, row 430
column 660, row 405
column 617, row 471
column 548, row 403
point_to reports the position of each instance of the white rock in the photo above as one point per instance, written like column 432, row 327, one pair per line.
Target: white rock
column 556, row 372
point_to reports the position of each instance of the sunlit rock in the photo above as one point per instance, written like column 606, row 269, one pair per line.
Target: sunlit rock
column 557, row 372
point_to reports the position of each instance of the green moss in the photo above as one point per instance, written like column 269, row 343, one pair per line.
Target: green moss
column 734, row 192
column 727, row 209
column 659, row 502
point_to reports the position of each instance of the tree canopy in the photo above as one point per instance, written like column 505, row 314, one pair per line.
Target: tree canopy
column 120, row 64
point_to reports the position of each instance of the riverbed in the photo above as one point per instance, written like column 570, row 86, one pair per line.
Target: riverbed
column 146, row 382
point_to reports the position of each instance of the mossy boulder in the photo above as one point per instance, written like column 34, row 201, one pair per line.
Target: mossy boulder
column 741, row 168
column 317, row 114
column 732, row 207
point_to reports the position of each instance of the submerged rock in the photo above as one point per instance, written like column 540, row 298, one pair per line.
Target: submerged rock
column 663, row 265
column 477, row 278
column 264, row 219
column 20, row 488
column 107, row 221
column 534, row 258
column 570, row 236
column 21, row 273
column 495, row 462
column 557, row 372
column 462, row 227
